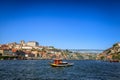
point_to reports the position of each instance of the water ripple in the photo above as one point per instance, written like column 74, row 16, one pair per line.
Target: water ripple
column 41, row 70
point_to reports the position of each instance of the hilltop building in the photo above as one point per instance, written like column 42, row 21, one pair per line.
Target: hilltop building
column 118, row 44
column 32, row 43
column 22, row 43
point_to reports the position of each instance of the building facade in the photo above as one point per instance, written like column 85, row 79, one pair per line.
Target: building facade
column 32, row 43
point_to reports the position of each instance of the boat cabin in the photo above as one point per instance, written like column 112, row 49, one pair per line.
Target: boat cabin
column 60, row 63
column 57, row 61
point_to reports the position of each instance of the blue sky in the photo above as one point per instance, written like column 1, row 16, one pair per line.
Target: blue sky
column 81, row 24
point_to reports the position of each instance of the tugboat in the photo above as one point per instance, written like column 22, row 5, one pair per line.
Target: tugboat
column 60, row 63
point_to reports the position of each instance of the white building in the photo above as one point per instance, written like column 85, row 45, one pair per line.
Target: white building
column 38, row 47
column 32, row 43
column 27, row 47
column 17, row 46
column 118, row 44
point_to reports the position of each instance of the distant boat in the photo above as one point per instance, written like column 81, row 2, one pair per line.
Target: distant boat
column 114, row 60
column 60, row 63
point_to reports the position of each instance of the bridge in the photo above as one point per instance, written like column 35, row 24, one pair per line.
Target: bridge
column 85, row 50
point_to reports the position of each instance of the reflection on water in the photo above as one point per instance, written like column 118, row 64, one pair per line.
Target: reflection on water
column 41, row 70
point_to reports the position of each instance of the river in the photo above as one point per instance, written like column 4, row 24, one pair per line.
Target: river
column 41, row 70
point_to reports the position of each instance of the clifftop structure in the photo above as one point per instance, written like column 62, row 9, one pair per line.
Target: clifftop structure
column 22, row 43
column 32, row 43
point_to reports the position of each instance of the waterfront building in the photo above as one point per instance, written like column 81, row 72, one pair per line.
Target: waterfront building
column 6, row 52
column 29, row 56
column 1, row 52
column 35, row 53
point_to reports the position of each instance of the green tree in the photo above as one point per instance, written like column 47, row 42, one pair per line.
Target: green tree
column 102, row 57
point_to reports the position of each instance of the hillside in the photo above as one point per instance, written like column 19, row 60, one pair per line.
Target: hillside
column 112, row 53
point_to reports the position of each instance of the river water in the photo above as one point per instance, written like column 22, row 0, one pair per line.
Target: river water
column 41, row 70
